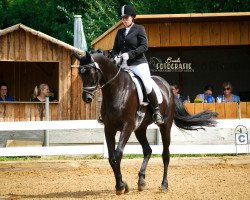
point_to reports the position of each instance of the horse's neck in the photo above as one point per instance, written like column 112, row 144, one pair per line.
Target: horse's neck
column 113, row 80
column 110, row 72
column 116, row 84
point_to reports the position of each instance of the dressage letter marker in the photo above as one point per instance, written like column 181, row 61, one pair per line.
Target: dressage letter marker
column 241, row 135
column 241, row 138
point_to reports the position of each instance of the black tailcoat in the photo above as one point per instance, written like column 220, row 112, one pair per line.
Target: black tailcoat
column 134, row 43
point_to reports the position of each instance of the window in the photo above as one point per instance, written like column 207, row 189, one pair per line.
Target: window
column 22, row 77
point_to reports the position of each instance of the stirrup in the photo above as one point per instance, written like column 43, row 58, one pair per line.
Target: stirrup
column 158, row 119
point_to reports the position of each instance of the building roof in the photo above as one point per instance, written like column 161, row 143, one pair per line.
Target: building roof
column 191, row 17
column 39, row 34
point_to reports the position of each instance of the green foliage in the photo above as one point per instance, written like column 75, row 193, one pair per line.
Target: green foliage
column 3, row 6
column 190, row 6
column 56, row 17
column 99, row 17
column 44, row 16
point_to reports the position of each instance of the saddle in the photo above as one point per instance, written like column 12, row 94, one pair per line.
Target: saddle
column 141, row 90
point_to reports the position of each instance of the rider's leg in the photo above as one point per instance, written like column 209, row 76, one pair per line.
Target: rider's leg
column 143, row 72
column 154, row 103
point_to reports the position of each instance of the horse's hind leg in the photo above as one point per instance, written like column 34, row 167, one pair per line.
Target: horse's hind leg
column 147, row 151
column 165, row 134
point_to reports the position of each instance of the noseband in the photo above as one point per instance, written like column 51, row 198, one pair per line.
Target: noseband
column 91, row 89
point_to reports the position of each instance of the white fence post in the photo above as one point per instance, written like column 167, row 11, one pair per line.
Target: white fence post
column 46, row 132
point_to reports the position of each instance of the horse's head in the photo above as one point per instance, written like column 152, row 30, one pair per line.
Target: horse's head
column 90, row 75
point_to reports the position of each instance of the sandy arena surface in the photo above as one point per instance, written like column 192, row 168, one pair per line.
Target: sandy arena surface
column 189, row 178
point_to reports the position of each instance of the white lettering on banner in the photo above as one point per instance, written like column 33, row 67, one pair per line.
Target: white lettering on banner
column 170, row 65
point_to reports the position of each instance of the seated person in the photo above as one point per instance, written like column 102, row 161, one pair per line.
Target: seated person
column 208, row 91
column 176, row 89
column 3, row 93
column 41, row 92
column 228, row 96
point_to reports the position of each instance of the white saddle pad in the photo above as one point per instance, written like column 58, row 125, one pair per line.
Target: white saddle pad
column 139, row 89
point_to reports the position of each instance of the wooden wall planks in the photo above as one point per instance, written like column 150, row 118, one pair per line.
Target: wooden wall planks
column 230, row 110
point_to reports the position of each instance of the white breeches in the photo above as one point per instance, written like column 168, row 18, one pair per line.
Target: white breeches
column 142, row 70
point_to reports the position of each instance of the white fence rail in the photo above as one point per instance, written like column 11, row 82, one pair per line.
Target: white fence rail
column 101, row 149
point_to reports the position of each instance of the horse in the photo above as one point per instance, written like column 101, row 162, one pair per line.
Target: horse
column 119, row 112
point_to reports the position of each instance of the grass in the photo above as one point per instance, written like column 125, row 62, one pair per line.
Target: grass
column 127, row 156
column 16, row 158
column 31, row 158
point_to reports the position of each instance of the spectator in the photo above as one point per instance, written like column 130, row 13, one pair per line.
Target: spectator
column 41, row 92
column 228, row 96
column 3, row 93
column 176, row 89
column 207, row 96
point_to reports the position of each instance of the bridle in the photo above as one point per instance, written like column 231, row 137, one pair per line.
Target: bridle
column 92, row 89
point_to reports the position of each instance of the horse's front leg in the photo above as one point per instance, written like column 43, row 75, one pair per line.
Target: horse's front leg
column 122, row 186
column 115, row 158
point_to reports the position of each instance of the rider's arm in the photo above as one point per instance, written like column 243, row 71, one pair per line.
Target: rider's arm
column 142, row 43
column 116, row 50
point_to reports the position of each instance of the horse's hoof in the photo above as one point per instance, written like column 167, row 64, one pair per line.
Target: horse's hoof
column 126, row 187
column 122, row 189
column 141, row 186
column 163, row 189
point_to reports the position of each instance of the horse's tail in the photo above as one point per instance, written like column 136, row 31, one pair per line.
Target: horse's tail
column 184, row 120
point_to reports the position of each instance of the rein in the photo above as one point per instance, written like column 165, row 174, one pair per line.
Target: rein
column 110, row 79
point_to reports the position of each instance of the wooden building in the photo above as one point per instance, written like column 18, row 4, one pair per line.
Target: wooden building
column 195, row 50
column 29, row 58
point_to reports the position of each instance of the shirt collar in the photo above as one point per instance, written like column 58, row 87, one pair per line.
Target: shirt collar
column 128, row 28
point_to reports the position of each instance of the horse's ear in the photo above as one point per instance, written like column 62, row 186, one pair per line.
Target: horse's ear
column 84, row 59
column 88, row 57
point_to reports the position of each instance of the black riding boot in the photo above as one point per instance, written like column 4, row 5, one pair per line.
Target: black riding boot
column 154, row 103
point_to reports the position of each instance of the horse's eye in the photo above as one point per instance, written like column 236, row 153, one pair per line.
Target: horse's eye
column 83, row 70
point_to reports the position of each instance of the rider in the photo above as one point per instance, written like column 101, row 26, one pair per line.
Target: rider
column 131, row 43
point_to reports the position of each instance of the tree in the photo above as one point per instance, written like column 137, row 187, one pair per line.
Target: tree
column 56, row 17
column 44, row 16
column 190, row 6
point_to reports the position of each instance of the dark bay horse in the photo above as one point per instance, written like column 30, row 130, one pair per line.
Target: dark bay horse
column 119, row 113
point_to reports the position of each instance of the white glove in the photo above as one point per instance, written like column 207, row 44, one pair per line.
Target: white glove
column 125, row 56
column 117, row 59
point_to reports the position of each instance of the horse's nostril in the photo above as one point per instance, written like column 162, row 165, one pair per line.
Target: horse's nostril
column 88, row 100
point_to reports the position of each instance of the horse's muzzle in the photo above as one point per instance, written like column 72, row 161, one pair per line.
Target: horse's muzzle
column 86, row 97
